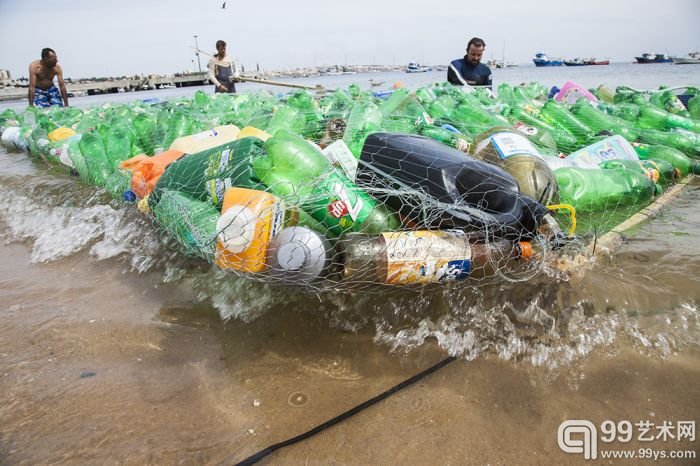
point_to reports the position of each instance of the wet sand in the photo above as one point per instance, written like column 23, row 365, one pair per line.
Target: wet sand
column 102, row 367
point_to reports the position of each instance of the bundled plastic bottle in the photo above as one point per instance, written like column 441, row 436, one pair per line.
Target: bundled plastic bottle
column 365, row 118
column 562, row 139
column 558, row 115
column 442, row 107
column 179, row 125
column 117, row 145
column 681, row 162
column 145, row 128
column 450, row 138
column 296, row 168
column 249, row 220
column 684, row 142
column 205, row 176
column 193, row 223
column 96, row 160
column 517, row 156
column 299, row 255
column 421, row 257
column 309, row 109
column 436, row 187
column 694, row 107
column 601, row 121
column 656, row 118
column 204, row 140
column 610, row 148
column 594, row 189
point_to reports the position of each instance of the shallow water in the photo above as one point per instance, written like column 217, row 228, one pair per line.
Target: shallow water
column 116, row 348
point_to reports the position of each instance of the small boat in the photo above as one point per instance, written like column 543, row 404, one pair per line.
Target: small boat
column 576, row 62
column 541, row 59
column 593, row 61
column 653, row 58
column 414, row 67
column 693, row 58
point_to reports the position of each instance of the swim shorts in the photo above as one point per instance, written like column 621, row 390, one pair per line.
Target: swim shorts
column 47, row 97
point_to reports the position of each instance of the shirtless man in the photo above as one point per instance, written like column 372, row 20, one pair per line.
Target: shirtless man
column 42, row 92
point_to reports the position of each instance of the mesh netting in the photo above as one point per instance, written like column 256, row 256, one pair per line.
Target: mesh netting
column 352, row 190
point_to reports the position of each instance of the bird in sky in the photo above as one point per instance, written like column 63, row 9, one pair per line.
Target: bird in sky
column 223, row 7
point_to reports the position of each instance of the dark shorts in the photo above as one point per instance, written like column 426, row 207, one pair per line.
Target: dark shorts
column 47, row 97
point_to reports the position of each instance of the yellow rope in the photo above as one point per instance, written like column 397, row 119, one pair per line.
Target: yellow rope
column 572, row 212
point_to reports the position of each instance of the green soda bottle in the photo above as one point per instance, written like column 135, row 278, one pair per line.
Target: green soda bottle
column 145, row 128
column 684, row 142
column 118, row 145
column 595, row 190
column 694, row 107
column 96, row 160
column 310, row 111
column 179, row 125
column 450, row 138
column 563, row 140
column 341, row 206
column 191, row 222
column 365, row 118
column 656, row 118
column 442, row 107
column 558, row 115
column 78, row 161
column 286, row 118
column 598, row 120
column 296, row 157
column 681, row 162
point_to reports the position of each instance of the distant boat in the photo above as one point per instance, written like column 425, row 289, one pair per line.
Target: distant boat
column 653, row 58
column 414, row 67
column 576, row 62
column 693, row 58
column 541, row 59
column 593, row 61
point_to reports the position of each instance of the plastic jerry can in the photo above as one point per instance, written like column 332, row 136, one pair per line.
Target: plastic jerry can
column 206, row 139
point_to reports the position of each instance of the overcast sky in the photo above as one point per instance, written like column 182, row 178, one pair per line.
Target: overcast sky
column 123, row 37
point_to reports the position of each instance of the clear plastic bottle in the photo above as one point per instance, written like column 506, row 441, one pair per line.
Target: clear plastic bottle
column 420, row 257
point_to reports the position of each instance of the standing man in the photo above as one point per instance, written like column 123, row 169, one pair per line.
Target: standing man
column 42, row 91
column 222, row 70
column 469, row 70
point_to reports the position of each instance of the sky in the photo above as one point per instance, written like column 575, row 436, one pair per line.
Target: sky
column 124, row 37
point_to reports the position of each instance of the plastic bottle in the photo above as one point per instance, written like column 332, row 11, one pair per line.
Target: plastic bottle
column 205, row 176
column 117, row 145
column 299, row 255
column 683, row 142
column 420, row 257
column 310, row 112
column 96, row 160
column 12, row 139
column 286, row 118
column 193, row 223
column 436, row 187
column 205, row 139
column 681, row 162
column 249, row 220
column 558, row 115
column 454, row 140
column 179, row 125
column 571, row 92
column 442, row 107
column 340, row 157
column 518, row 156
column 563, row 140
column 145, row 128
column 694, row 107
column 601, row 121
column 365, row 118
column 656, row 118
column 594, row 189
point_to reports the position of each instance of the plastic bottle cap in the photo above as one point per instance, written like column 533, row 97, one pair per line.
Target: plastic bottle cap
column 293, row 255
column 236, row 228
column 526, row 250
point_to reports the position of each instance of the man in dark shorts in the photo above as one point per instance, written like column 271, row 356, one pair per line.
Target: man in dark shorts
column 42, row 91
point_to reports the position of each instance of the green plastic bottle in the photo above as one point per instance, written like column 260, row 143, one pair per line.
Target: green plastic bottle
column 558, row 115
column 455, row 140
column 563, row 140
column 593, row 189
column 656, row 118
column 681, row 162
column 599, row 120
column 694, row 107
column 365, row 118
column 442, row 107
column 96, row 160
column 684, row 142
column 286, row 118
column 118, row 145
column 191, row 222
column 145, row 128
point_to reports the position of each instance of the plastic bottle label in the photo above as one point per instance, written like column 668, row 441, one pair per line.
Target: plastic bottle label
column 612, row 148
column 340, row 156
column 509, row 144
column 425, row 257
column 344, row 205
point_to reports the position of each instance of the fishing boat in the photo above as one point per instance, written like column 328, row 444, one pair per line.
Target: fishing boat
column 414, row 67
column 576, row 62
column 593, row 61
column 541, row 59
column 653, row 58
column 693, row 58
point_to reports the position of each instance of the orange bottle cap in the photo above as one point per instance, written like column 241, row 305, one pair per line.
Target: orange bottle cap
column 526, row 249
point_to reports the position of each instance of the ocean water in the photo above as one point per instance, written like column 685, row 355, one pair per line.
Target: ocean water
column 115, row 347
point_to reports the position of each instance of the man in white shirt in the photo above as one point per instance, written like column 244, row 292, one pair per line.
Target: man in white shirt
column 222, row 70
